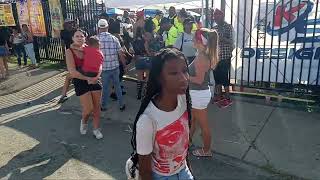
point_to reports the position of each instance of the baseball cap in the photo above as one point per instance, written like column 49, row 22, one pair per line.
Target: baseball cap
column 188, row 21
column 140, row 13
column 102, row 23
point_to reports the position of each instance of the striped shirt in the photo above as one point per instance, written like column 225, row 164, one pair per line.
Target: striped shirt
column 110, row 47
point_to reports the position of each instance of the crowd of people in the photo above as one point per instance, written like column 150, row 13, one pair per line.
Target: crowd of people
column 175, row 60
column 16, row 41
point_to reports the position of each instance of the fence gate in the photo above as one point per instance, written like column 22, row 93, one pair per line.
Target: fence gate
column 84, row 12
column 277, row 43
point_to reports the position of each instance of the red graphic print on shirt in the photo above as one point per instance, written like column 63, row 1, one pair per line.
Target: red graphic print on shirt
column 171, row 143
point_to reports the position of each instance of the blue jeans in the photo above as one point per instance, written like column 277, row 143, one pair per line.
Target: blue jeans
column 30, row 52
column 184, row 174
column 107, row 77
column 21, row 53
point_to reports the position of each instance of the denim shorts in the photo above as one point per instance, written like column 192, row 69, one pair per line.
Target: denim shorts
column 184, row 174
column 143, row 63
column 3, row 51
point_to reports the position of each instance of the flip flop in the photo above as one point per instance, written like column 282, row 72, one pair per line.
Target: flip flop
column 200, row 153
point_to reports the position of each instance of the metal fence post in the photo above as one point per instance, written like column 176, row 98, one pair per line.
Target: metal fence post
column 223, row 6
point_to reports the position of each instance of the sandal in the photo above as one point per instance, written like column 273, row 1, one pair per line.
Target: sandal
column 201, row 153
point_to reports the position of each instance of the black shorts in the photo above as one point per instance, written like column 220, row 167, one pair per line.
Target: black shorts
column 81, row 86
column 221, row 73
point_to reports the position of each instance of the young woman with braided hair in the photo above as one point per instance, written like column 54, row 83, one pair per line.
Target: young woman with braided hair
column 206, row 42
column 161, row 129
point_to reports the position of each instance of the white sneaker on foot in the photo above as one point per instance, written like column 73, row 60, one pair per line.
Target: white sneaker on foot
column 97, row 134
column 83, row 128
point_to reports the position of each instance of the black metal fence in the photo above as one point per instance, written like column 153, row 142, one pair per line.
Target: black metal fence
column 84, row 12
column 277, row 41
column 277, row 44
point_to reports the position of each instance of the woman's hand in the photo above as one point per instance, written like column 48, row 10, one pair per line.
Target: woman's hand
column 93, row 80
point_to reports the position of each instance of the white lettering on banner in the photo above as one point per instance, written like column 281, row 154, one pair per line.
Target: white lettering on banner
column 288, row 43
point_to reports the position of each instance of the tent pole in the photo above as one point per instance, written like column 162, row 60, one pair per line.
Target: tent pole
column 223, row 6
column 211, row 14
column 202, row 12
column 207, row 13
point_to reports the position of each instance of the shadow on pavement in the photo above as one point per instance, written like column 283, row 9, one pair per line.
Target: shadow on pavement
column 62, row 153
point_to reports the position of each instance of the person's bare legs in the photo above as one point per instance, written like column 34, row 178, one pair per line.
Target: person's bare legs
column 86, row 102
column 5, row 61
column 201, row 116
column 219, row 89
column 65, row 88
column 2, row 68
column 227, row 92
column 194, row 125
column 66, row 85
column 96, row 97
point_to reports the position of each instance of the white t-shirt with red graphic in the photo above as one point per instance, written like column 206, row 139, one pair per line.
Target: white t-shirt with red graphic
column 164, row 135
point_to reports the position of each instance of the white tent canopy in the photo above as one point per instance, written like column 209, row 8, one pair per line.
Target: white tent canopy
column 153, row 4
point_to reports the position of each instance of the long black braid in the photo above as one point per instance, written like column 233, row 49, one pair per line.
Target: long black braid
column 153, row 88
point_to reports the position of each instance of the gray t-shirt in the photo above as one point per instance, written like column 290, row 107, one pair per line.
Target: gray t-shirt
column 194, row 86
column 187, row 48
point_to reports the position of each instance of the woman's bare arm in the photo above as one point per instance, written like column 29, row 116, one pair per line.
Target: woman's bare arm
column 30, row 37
column 72, row 68
column 145, row 169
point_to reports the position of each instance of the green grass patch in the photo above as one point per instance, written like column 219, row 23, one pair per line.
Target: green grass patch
column 49, row 65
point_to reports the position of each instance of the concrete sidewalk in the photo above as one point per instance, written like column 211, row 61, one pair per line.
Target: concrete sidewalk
column 20, row 79
column 277, row 139
column 42, row 141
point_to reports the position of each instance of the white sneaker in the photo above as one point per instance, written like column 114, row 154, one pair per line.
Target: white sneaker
column 97, row 134
column 83, row 128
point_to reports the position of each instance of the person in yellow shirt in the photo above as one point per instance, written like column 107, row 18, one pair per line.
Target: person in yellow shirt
column 178, row 21
column 156, row 20
column 172, row 14
column 170, row 33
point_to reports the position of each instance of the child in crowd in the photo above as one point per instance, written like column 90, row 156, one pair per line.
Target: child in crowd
column 93, row 58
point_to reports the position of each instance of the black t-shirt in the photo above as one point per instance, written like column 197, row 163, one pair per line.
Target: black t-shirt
column 5, row 35
column 114, row 27
column 66, row 36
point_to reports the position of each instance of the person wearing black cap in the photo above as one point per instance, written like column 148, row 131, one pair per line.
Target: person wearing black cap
column 185, row 41
column 156, row 20
column 170, row 33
